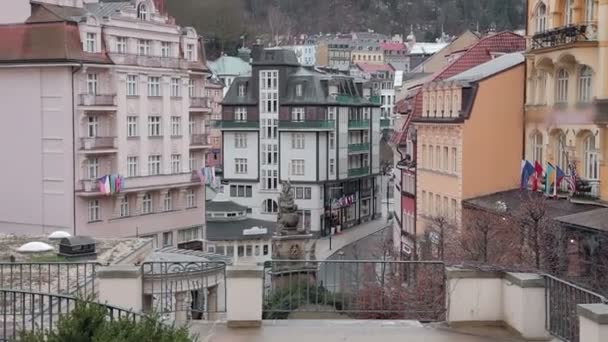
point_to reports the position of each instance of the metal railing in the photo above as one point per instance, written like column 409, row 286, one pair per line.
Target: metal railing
column 52, row 277
column 559, row 36
column 97, row 100
column 385, row 123
column 355, row 289
column 96, row 143
column 307, row 125
column 194, row 290
column 358, row 147
column 362, row 171
column 200, row 102
column 199, row 139
column 238, row 125
column 26, row 311
column 561, row 301
column 358, row 124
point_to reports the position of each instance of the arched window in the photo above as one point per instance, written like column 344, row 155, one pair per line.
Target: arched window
column 585, row 79
column 270, row 206
column 592, row 164
column 561, row 155
column 541, row 18
column 569, row 12
column 562, row 86
column 142, row 11
column 589, row 10
column 537, row 147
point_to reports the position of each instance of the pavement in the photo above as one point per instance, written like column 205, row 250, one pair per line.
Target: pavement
column 346, row 331
column 347, row 237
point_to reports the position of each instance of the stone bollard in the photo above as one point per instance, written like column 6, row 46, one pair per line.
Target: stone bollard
column 524, row 305
column 121, row 286
column 593, row 322
column 244, row 286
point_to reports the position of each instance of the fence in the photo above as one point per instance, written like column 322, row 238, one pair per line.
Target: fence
column 33, row 311
column 561, row 300
column 355, row 289
column 52, row 277
column 185, row 290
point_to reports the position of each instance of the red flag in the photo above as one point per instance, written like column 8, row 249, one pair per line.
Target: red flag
column 539, row 174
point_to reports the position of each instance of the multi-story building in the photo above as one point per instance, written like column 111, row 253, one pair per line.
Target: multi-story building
column 109, row 90
column 306, row 53
column 371, row 53
column 567, row 89
column 227, row 68
column 382, row 78
column 215, row 92
column 339, row 53
column 395, row 53
column 319, row 131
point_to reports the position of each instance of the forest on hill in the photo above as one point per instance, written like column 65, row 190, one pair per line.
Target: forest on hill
column 224, row 23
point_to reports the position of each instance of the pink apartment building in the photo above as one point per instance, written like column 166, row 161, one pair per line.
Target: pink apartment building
column 215, row 92
column 95, row 89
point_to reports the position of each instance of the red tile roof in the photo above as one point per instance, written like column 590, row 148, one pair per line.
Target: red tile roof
column 478, row 53
column 371, row 68
column 44, row 42
column 393, row 46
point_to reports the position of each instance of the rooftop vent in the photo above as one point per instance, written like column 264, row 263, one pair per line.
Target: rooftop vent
column 77, row 246
column 58, row 235
column 35, row 247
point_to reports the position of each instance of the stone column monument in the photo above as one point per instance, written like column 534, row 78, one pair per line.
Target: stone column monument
column 292, row 244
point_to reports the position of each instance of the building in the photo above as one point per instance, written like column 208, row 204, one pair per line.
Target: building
column 381, row 77
column 215, row 92
column 319, row 131
column 567, row 90
column 395, row 53
column 227, row 68
column 232, row 232
column 103, row 90
column 339, row 53
column 306, row 53
column 370, row 53
column 440, row 58
column 418, row 52
column 461, row 127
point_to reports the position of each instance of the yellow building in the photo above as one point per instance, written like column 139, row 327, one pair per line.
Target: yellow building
column 469, row 140
column 567, row 86
column 368, row 53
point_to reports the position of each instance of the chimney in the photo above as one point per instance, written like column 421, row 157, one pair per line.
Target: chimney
column 256, row 52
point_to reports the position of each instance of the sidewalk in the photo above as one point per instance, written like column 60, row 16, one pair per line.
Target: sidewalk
column 347, row 237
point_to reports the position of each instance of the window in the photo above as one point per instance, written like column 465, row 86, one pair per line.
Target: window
column 241, row 90
column 142, row 12
column 144, row 47
column 454, row 160
column 560, row 150
column 537, row 147
column 423, row 205
column 190, row 52
column 165, row 49
column 437, row 158
column 176, row 126
column 175, row 88
column 240, row 140
column 132, row 166
column 304, row 193
column 240, row 114
column 270, row 207
column 190, row 199
column 424, row 160
column 91, row 42
column 297, row 167
column 188, row 234
column 154, row 126
column 92, row 126
column 167, row 239
column 569, row 12
column 176, row 163
column 191, row 88
column 542, row 91
column 167, row 202
column 562, row 86
column 445, row 159
column 454, row 212
column 332, row 166
column 124, row 206
column 541, row 18
column 132, row 129
column 297, row 141
column 431, row 158
column 584, row 84
column 94, row 211
column 297, row 114
column 93, row 168
column 243, row 191
column 305, row 219
column 146, row 204
column 589, row 10
column 153, row 86
column 191, row 126
column 240, row 165
column 131, row 85
column 332, row 140
column 91, row 84
column 121, row 44
column 154, row 165
column 592, row 154
column 298, row 90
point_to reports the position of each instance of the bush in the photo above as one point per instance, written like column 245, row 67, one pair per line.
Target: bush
column 285, row 300
column 89, row 322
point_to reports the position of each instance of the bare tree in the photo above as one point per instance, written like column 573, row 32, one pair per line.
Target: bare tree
column 280, row 25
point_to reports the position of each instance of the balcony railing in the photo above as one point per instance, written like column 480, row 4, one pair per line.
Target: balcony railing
column 149, row 61
column 239, row 125
column 385, row 123
column 97, row 100
column 143, row 182
column 200, row 102
column 199, row 139
column 307, row 125
column 375, row 100
column 358, row 124
column 358, row 147
column 560, row 36
column 358, row 172
column 98, row 143
column 587, row 189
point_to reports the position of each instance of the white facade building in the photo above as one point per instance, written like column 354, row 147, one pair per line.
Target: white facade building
column 306, row 53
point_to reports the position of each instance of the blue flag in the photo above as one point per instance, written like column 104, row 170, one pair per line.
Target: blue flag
column 527, row 169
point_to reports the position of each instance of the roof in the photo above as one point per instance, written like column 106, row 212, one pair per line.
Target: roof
column 426, row 48
column 107, row 8
column 233, row 230
column 183, row 255
column 370, row 68
column 228, row 65
column 274, row 57
column 44, row 42
column 593, row 219
column 490, row 68
column 393, row 46
column 43, row 12
column 223, row 206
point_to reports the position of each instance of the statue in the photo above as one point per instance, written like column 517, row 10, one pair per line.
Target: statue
column 288, row 217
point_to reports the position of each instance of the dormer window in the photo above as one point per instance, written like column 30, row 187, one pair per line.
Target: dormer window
column 298, row 90
column 142, row 12
column 297, row 114
column 190, row 52
column 241, row 90
column 91, row 42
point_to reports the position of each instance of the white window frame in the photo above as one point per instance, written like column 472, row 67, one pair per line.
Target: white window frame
column 190, row 199
column 270, row 206
column 592, row 159
column 167, row 239
column 94, row 211
column 298, row 114
column 585, row 84
column 541, row 18
column 154, row 165
column 143, row 47
column 142, row 11
column 155, row 126
column 176, row 163
column 240, row 166
column 92, row 84
column 146, row 204
column 121, row 44
column 132, row 85
column 168, row 202
column 240, row 114
column 92, row 126
column 191, row 88
column 299, row 90
column 132, row 126
column 91, row 42
column 297, row 141
column 175, row 87
column 176, row 126
column 190, row 55
column 241, row 90
column 132, row 166
column 192, row 161
column 154, row 86
column 93, row 168
column 562, row 80
column 589, row 10
column 124, row 206
column 240, row 140
column 537, row 147
column 297, row 167
column 569, row 12
column 165, row 49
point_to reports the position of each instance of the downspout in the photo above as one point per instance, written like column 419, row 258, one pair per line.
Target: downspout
column 75, row 70
column 523, row 133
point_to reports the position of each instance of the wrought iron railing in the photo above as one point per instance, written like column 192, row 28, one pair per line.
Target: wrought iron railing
column 561, row 301
column 191, row 290
column 559, row 36
column 355, row 289
column 27, row 311
column 52, row 277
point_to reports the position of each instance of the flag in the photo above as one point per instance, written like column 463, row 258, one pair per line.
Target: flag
column 527, row 170
column 538, row 174
column 201, row 176
column 571, row 178
column 559, row 175
column 549, row 178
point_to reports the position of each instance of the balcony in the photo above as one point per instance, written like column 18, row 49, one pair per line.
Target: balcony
column 311, row 125
column 97, row 101
column 360, row 172
column 358, row 148
column 385, row 124
column 238, row 125
column 358, row 124
column 586, row 190
column 98, row 145
column 199, row 141
column 560, row 36
column 375, row 100
column 198, row 104
column 90, row 187
column 148, row 61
